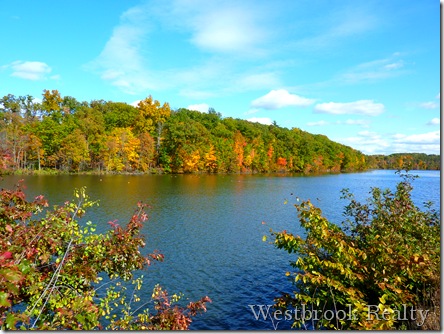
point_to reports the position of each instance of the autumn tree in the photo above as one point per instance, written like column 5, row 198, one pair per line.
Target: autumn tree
column 239, row 143
column 52, row 104
column 282, row 163
column 384, row 256
column 92, row 124
column 151, row 117
column 73, row 152
column 211, row 160
column 121, row 150
column 146, row 151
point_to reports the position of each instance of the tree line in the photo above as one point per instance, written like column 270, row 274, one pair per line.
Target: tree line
column 61, row 133
column 416, row 161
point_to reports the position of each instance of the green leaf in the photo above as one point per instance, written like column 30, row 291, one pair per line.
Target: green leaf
column 10, row 321
column 4, row 299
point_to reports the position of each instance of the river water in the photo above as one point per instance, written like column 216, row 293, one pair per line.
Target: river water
column 210, row 227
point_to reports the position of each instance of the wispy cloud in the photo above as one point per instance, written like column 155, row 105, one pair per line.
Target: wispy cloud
column 225, row 31
column 227, row 27
column 375, row 70
column 338, row 26
column 429, row 105
column 280, row 98
column 252, row 111
column 121, row 62
column 361, row 107
column 30, row 70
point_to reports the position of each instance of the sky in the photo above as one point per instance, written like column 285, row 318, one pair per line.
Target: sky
column 364, row 73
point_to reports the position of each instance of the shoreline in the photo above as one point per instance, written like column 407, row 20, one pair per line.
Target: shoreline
column 161, row 172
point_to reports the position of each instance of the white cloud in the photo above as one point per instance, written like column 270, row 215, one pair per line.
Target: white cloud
column 280, row 98
column 370, row 142
column 262, row 120
column 361, row 107
column 429, row 138
column 30, row 70
column 429, row 105
column 434, row 121
column 420, row 143
column 318, row 123
column 135, row 103
column 415, row 148
column 202, row 107
column 367, row 142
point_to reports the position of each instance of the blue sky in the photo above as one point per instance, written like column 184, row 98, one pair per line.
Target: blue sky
column 364, row 73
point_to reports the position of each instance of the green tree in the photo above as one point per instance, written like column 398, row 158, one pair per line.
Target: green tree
column 116, row 114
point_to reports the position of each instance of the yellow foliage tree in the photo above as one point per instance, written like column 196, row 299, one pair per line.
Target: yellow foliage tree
column 210, row 160
column 52, row 101
column 190, row 161
column 122, row 149
column 239, row 143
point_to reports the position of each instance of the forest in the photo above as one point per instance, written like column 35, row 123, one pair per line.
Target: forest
column 63, row 134
column 417, row 161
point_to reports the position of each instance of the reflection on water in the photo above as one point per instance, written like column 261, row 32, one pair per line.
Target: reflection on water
column 209, row 227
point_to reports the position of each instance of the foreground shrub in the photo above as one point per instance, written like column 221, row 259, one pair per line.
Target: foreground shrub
column 57, row 275
column 380, row 270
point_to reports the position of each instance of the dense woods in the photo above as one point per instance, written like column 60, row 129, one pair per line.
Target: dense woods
column 416, row 161
column 63, row 134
